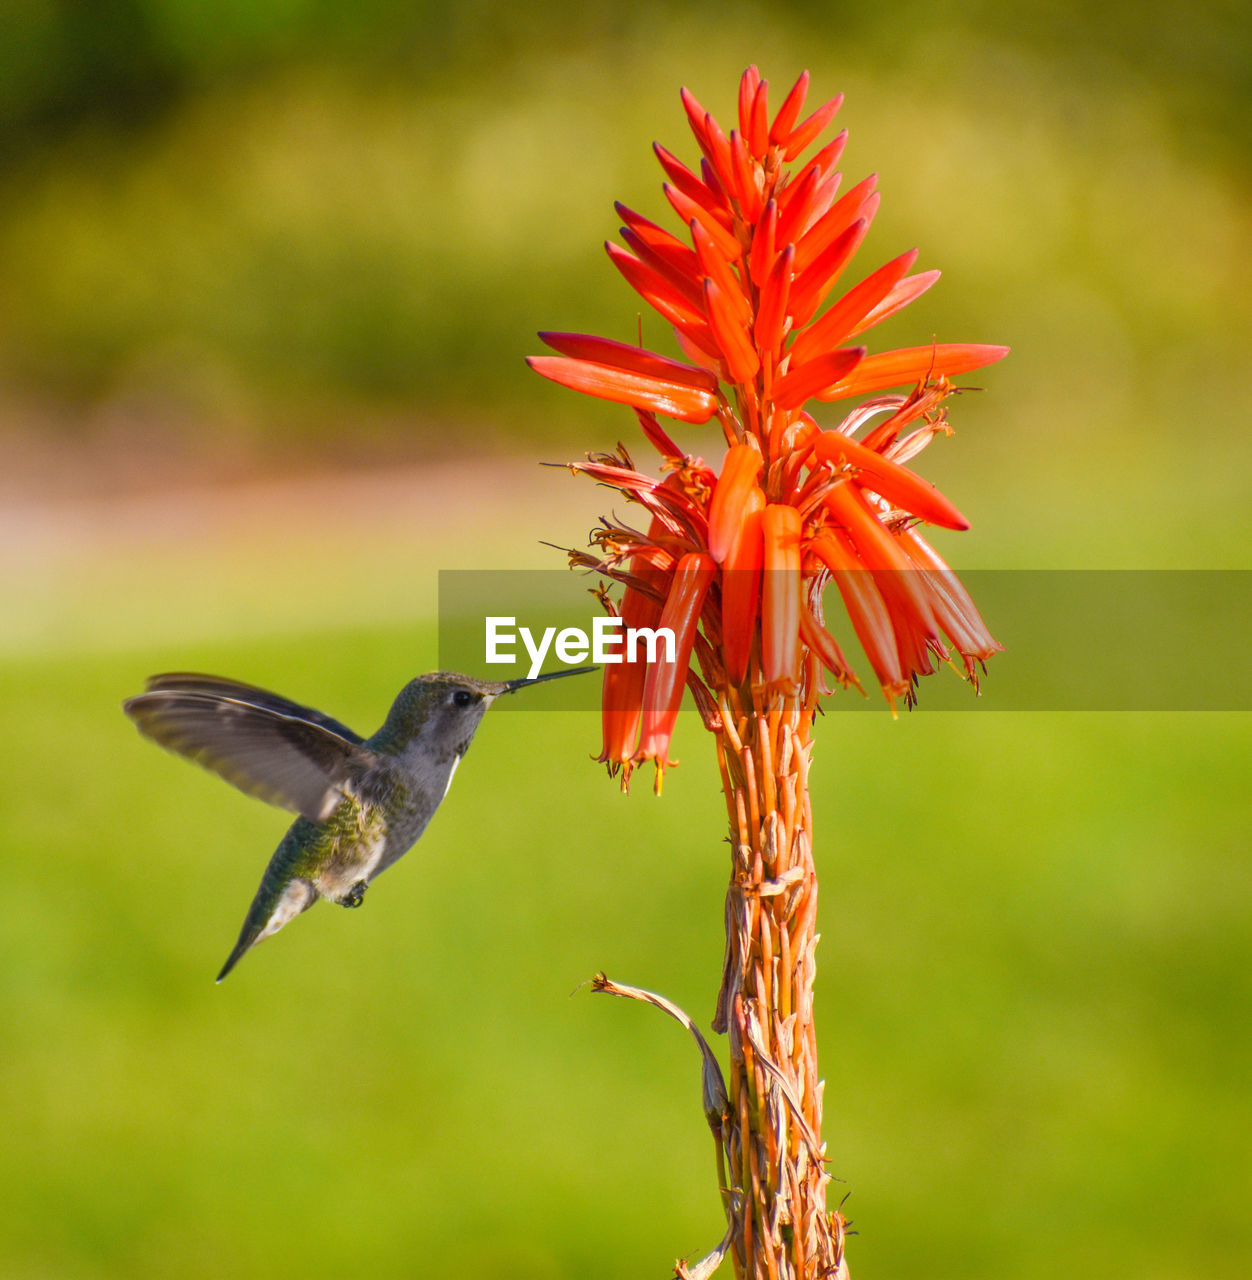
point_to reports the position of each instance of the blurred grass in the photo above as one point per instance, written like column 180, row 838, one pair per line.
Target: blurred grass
column 306, row 236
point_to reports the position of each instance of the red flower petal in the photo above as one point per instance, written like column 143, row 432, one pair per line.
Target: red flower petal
column 818, row 279
column 955, row 610
column 906, row 291
column 696, row 116
column 654, row 288
column 761, row 254
column 790, row 110
column 686, row 208
column 741, row 586
column 716, row 268
column 801, row 382
column 771, row 315
column 740, row 474
column 746, row 189
column 780, row 605
column 826, row 647
column 795, row 205
column 657, row 437
column 676, row 261
column 810, row 128
column 719, row 153
column 902, row 589
column 682, row 274
column 687, row 182
column 914, row 364
column 622, row 696
column 828, row 156
column 900, row 486
column 832, row 224
column 866, row 609
column 847, row 315
column 663, row 690
column 584, row 346
column 756, row 131
column 741, row 358
column 608, row 382
column 749, row 82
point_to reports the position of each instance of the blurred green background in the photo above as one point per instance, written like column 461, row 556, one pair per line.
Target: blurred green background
column 268, row 269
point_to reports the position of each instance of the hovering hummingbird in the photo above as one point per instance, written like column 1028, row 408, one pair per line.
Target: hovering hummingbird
column 363, row 802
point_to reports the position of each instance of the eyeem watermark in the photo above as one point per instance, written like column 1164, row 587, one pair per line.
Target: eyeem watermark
column 1075, row 639
column 609, row 640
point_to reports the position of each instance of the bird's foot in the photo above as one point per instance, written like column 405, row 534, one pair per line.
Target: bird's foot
column 355, row 896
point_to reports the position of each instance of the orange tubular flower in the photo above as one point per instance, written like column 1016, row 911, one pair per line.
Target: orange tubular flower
column 744, row 280
column 663, row 689
column 780, row 597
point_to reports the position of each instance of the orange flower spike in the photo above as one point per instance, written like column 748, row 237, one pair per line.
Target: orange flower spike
column 764, row 238
column 808, row 129
column 802, row 381
column 584, row 346
column 789, row 112
column 740, row 474
column 663, row 691
column 741, row 357
column 780, row 605
column 741, row 586
column 866, row 609
column 913, row 364
column 900, row 486
column 641, row 391
column 771, row 316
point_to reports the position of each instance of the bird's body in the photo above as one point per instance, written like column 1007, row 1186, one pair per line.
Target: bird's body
column 363, row 802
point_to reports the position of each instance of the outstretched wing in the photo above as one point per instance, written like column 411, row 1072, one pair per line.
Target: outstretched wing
column 265, row 745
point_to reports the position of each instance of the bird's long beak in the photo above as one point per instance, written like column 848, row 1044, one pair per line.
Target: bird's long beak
column 523, row 681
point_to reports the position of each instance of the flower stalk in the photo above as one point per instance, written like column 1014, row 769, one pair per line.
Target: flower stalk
column 736, row 561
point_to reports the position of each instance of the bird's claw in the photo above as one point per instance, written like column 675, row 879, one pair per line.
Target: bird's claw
column 355, row 896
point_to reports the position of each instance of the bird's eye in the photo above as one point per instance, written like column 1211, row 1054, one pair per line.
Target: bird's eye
column 462, row 697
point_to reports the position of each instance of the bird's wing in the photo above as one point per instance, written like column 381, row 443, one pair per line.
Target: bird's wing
column 265, row 745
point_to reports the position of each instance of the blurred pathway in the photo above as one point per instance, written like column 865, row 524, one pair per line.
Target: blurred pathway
column 188, row 560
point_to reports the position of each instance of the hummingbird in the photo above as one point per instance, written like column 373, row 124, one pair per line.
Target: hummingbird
column 362, row 802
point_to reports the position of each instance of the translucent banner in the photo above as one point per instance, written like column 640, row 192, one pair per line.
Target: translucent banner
column 1074, row 640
